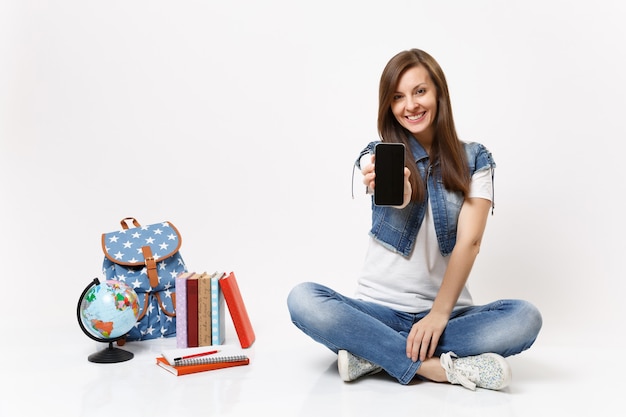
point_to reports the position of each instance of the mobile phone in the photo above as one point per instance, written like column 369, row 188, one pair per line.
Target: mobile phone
column 389, row 170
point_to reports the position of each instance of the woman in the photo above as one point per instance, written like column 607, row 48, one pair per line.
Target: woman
column 412, row 314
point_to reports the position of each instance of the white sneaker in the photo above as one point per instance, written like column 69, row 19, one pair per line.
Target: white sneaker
column 352, row 367
column 488, row 370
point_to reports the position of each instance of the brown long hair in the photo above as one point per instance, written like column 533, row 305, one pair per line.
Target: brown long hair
column 446, row 149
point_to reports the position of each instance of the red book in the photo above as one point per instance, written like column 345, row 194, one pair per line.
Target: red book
column 192, row 369
column 192, row 310
column 237, row 309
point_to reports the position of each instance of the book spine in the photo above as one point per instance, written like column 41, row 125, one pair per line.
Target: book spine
column 217, row 312
column 237, row 309
column 192, row 311
column 181, row 310
column 204, row 310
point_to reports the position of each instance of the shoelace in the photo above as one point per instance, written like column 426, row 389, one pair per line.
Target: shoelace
column 447, row 363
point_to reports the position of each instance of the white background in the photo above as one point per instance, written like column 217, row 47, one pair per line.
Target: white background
column 239, row 121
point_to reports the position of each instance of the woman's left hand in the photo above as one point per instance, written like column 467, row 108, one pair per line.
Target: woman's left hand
column 424, row 336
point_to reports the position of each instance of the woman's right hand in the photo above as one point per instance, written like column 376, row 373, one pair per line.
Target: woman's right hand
column 369, row 179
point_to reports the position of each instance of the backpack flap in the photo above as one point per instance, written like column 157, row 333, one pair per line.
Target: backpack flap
column 144, row 248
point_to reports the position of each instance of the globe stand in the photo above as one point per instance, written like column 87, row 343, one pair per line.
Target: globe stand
column 111, row 355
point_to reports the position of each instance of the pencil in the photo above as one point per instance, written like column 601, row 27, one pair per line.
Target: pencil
column 196, row 355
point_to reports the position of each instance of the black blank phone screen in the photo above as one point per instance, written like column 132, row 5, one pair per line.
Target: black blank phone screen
column 389, row 169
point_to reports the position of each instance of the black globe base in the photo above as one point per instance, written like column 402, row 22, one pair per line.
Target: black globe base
column 111, row 355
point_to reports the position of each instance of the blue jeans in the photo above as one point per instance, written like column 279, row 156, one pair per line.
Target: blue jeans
column 378, row 333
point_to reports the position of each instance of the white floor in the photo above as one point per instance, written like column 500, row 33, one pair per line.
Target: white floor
column 290, row 377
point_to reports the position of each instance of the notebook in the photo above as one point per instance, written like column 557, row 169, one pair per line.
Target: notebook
column 204, row 355
column 200, row 359
column 192, row 369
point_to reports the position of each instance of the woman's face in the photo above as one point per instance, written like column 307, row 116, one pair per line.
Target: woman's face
column 414, row 104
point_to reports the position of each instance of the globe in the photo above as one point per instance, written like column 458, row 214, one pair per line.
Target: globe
column 106, row 311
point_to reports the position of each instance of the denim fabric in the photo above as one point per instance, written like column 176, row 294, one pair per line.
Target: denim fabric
column 396, row 229
column 379, row 334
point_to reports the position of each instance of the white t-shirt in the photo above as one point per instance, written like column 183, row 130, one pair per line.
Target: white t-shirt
column 411, row 284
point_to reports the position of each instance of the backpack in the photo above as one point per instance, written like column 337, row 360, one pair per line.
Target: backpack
column 147, row 259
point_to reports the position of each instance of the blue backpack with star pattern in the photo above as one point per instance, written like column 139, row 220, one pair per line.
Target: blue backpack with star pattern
column 147, row 259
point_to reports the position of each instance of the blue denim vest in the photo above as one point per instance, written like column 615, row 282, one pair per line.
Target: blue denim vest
column 397, row 229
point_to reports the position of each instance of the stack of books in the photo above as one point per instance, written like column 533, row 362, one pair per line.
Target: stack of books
column 200, row 312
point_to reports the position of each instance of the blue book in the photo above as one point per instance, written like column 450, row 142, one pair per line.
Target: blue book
column 217, row 310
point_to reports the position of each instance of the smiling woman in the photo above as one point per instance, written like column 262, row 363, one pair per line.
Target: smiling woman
column 413, row 315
